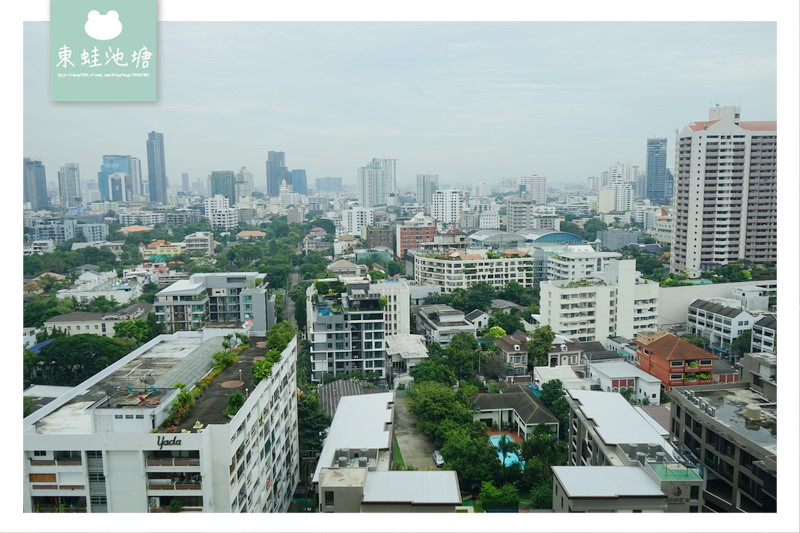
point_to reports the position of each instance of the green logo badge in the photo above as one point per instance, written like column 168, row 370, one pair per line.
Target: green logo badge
column 103, row 50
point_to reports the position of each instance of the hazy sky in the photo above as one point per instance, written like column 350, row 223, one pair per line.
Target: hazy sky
column 468, row 101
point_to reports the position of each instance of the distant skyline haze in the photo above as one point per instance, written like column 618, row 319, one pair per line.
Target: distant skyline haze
column 470, row 102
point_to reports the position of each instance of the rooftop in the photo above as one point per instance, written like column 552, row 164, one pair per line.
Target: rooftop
column 142, row 379
column 605, row 482
column 622, row 369
column 616, row 421
column 361, row 422
column 427, row 487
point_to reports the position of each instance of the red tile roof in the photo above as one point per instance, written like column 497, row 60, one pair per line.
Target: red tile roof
column 672, row 348
column 763, row 125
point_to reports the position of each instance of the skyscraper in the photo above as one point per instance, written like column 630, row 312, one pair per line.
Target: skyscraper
column 447, row 207
column 69, row 186
column 725, row 192
column 371, row 183
column 298, row 181
column 156, row 168
column 185, row 182
column 389, row 167
column 656, row 180
column 276, row 172
column 426, row 185
column 112, row 164
column 135, row 172
column 244, row 184
column 330, row 184
column 223, row 182
column 34, row 184
column 536, row 187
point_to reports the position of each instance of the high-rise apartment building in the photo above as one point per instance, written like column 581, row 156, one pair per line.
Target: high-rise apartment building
column 110, row 444
column 276, row 172
column 329, row 184
column 220, row 214
column 536, row 187
column 524, row 212
column 156, row 168
column 243, row 184
column 389, row 167
column 656, row 173
column 725, row 192
column 375, row 180
column 348, row 320
column 427, row 184
column 185, row 182
column 69, row 186
column 299, row 181
column 447, row 206
column 34, row 184
column 616, row 197
column 223, row 182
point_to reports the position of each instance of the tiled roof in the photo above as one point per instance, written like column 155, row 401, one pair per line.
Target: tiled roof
column 529, row 409
column 672, row 348
column 768, row 321
column 718, row 309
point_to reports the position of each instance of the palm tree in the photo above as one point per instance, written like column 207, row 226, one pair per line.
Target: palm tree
column 507, row 446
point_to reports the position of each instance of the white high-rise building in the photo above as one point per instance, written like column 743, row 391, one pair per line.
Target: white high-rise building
column 426, row 185
column 220, row 214
column 243, row 184
column 375, row 181
column 112, row 444
column 726, row 195
column 447, row 207
column 69, row 185
column 354, row 219
column 617, row 196
column 536, row 187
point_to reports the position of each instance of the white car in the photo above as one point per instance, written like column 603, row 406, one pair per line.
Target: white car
column 438, row 460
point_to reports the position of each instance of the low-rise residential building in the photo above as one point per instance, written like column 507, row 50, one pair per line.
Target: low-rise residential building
column 92, row 284
column 731, row 430
column 199, row 242
column 38, row 247
column 354, row 473
column 106, row 446
column 439, row 322
column 720, row 321
column 28, row 337
column 673, row 360
column 232, row 298
column 404, row 351
column 614, row 376
column 160, row 249
column 608, row 434
column 761, row 371
column 574, row 265
column 516, row 408
column 621, row 303
column 564, row 352
column 565, row 374
column 479, row 318
column 515, row 352
column 80, row 322
column 459, row 270
column 765, row 331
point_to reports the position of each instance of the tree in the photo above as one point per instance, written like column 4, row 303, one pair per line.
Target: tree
column 137, row 329
column 494, row 366
column 433, row 369
column 506, row 446
column 550, row 391
column 591, row 227
column 473, row 458
column 479, row 296
column 235, row 402
column 434, row 403
column 42, row 308
column 312, row 421
column 510, row 322
column 741, row 344
column 697, row 340
column 68, row 361
column 504, row 497
column 493, row 333
column 539, row 345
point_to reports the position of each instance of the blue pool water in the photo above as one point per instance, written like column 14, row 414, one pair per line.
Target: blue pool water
column 511, row 458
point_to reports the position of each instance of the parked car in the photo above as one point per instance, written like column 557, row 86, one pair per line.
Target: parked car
column 438, row 460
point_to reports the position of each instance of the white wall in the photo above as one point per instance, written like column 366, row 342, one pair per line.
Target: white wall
column 673, row 302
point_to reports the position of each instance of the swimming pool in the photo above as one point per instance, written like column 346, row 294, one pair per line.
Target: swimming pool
column 511, row 458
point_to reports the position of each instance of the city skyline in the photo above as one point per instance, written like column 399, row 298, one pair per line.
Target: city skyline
column 433, row 96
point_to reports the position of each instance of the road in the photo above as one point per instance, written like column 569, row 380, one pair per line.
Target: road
column 416, row 448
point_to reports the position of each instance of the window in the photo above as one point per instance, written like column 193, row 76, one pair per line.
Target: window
column 39, row 453
column 694, row 492
column 328, row 497
column 676, row 376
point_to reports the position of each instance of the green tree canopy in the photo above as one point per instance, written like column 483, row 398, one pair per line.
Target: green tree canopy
column 433, row 369
column 67, row 361
column 539, row 345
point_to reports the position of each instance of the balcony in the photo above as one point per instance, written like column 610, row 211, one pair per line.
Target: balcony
column 174, row 486
column 56, row 462
column 173, row 461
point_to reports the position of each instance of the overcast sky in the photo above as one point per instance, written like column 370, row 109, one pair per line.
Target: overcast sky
column 468, row 101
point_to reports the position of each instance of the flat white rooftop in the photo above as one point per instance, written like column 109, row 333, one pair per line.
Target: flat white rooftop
column 414, row 487
column 362, row 421
column 605, row 481
column 617, row 421
column 622, row 369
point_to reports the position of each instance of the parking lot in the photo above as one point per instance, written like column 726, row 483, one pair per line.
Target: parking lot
column 416, row 447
